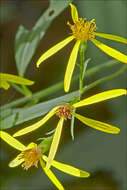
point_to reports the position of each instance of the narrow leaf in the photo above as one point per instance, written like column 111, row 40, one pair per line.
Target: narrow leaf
column 26, row 41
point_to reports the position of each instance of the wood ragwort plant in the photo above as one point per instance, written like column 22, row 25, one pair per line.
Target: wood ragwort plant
column 65, row 106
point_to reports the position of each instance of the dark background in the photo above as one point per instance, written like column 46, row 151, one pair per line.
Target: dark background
column 103, row 155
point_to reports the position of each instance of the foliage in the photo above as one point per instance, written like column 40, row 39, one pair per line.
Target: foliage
column 31, row 106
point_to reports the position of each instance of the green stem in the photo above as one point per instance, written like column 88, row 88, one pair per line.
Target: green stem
column 92, row 85
column 104, row 79
column 82, row 50
column 45, row 92
column 26, row 90
column 23, row 90
column 18, row 88
column 66, row 98
column 41, row 94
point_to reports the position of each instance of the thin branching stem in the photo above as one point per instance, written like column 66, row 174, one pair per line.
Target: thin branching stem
column 54, row 88
column 104, row 79
column 18, row 88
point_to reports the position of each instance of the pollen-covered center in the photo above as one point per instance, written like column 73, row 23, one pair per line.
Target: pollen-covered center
column 82, row 29
column 64, row 111
column 31, row 157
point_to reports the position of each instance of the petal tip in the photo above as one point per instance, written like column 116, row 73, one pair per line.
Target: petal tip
column 11, row 164
column 114, row 131
column 15, row 135
column 66, row 90
column 32, row 82
column 117, row 131
column 88, row 175
column 6, row 88
column 65, row 85
column 84, row 174
column 37, row 65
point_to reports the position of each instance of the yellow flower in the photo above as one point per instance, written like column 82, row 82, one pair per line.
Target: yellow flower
column 5, row 78
column 83, row 30
column 30, row 156
column 65, row 111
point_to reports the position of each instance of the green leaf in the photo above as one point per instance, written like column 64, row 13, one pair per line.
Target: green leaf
column 10, row 117
column 37, row 96
column 84, row 67
column 4, row 113
column 45, row 144
column 25, row 45
column 26, row 41
column 21, row 115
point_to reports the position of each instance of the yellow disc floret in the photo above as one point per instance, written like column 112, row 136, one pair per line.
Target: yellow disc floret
column 31, row 157
column 82, row 29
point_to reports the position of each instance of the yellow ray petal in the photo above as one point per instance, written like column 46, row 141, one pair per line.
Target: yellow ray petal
column 97, row 124
column 70, row 66
column 54, row 49
column 31, row 145
column 15, row 79
column 74, row 13
column 110, row 51
column 12, row 141
column 51, row 176
column 68, row 169
column 4, row 84
column 37, row 124
column 16, row 162
column 55, row 143
column 101, row 97
column 111, row 37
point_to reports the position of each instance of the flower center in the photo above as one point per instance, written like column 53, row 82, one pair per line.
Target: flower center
column 83, row 30
column 31, row 157
column 64, row 111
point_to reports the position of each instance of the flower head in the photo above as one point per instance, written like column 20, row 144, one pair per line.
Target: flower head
column 31, row 157
column 32, row 154
column 83, row 30
column 65, row 111
column 6, row 78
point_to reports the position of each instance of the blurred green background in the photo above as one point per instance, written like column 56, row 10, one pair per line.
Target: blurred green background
column 103, row 155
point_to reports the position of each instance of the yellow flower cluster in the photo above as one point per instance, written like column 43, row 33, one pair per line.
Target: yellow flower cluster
column 32, row 154
column 83, row 30
column 65, row 112
column 6, row 78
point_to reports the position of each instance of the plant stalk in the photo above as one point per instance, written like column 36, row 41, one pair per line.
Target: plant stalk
column 54, row 88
